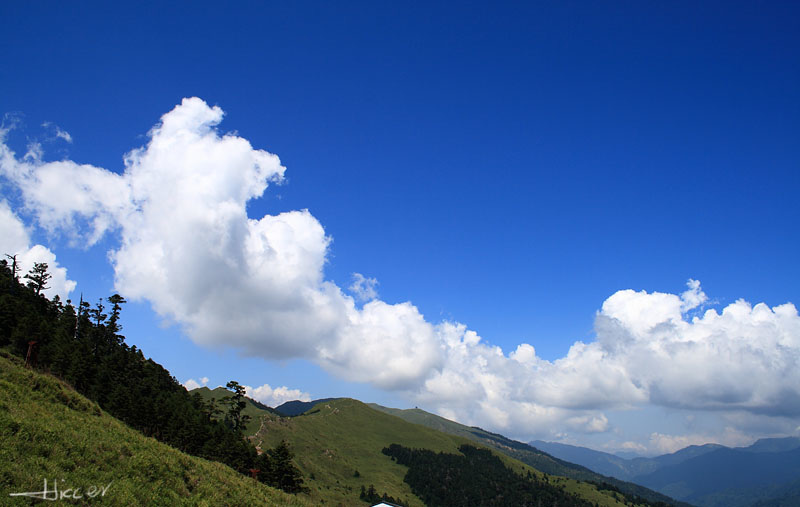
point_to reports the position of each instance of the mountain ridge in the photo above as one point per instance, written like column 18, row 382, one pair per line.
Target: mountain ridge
column 339, row 443
column 523, row 452
column 296, row 407
column 709, row 475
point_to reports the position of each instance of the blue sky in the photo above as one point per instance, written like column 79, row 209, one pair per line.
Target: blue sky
column 506, row 167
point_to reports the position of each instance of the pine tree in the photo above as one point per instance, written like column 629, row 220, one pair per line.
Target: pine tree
column 113, row 320
column 38, row 277
column 235, row 418
column 284, row 474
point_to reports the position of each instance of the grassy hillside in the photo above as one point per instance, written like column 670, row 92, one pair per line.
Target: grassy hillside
column 521, row 451
column 338, row 447
column 48, row 431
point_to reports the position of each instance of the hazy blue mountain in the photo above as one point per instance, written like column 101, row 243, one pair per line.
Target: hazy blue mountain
column 766, row 473
column 627, row 454
column 597, row 461
column 786, row 495
column 725, row 477
column 616, row 466
column 774, row 445
column 682, row 455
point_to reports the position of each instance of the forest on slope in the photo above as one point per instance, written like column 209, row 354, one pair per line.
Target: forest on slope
column 82, row 345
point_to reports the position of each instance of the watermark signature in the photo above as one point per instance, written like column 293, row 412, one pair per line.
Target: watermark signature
column 55, row 494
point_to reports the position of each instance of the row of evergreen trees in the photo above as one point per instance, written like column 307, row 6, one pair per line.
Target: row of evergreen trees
column 477, row 477
column 83, row 346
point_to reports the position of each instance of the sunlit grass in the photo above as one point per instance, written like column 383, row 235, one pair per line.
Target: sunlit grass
column 48, row 431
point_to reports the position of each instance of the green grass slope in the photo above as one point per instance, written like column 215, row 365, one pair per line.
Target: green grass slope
column 48, row 431
column 338, row 445
column 522, row 452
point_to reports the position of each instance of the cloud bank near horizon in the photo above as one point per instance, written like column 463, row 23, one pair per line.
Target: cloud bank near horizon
column 188, row 246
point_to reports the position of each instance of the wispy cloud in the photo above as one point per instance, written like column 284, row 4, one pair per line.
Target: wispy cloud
column 58, row 133
column 363, row 288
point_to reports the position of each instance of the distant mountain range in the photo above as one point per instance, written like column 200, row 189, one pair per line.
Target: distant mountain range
column 766, row 473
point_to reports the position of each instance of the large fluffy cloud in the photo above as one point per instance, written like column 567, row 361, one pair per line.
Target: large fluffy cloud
column 187, row 244
column 746, row 357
